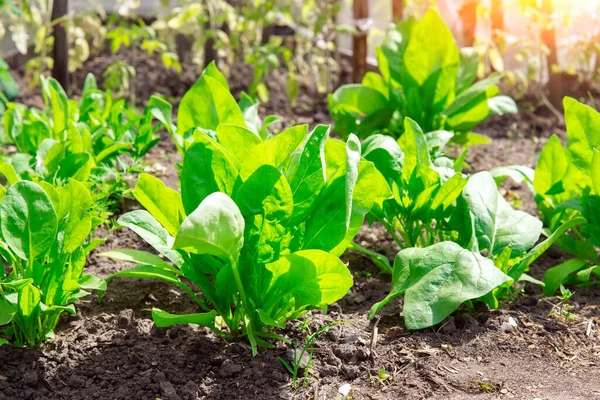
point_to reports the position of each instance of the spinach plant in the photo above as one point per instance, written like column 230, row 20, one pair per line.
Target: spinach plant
column 258, row 227
column 461, row 239
column 210, row 103
column 423, row 76
column 566, row 185
column 90, row 140
column 43, row 235
column 492, row 251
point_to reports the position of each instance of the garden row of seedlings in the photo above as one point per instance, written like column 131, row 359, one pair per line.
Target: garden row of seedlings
column 273, row 213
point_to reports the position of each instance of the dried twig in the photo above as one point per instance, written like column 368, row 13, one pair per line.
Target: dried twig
column 374, row 338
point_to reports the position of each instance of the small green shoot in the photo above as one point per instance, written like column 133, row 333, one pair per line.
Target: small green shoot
column 299, row 355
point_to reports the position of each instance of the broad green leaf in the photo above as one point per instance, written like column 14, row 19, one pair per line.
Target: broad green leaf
column 163, row 319
column 275, row 151
column 357, row 98
column 216, row 227
column 28, row 218
column 206, row 105
column 371, row 188
column 432, row 53
column 311, row 278
column 77, row 166
column 161, row 201
column 328, row 224
column 551, row 166
column 583, row 136
column 76, row 201
column 417, row 159
column 7, row 312
column 149, row 229
column 306, row 172
column 207, row 168
column 554, row 277
column 375, row 81
column 140, row 258
column 266, row 201
column 385, row 153
column 436, row 280
column 150, row 272
column 57, row 97
column 8, row 171
column 29, row 301
column 500, row 105
column 238, row 140
column 497, row 225
column 90, row 282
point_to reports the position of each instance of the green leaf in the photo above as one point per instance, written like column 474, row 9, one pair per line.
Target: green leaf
column 206, row 105
column 436, row 280
column 312, row 278
column 551, row 166
column 90, row 282
column 583, row 136
column 216, row 227
column 275, row 151
column 266, row 201
column 327, row 226
column 238, row 140
column 77, row 166
column 161, row 201
column 497, row 225
column 385, row 153
column 7, row 312
column 140, row 258
column 207, row 168
column 8, row 171
column 149, row 229
column 357, row 98
column 29, row 221
column 29, row 301
column 75, row 203
column 500, row 105
column 163, row 319
column 306, row 172
column 554, row 277
column 55, row 94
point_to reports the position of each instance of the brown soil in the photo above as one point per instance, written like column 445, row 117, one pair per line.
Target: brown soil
column 112, row 350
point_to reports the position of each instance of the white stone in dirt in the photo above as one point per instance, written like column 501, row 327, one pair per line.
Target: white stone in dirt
column 344, row 390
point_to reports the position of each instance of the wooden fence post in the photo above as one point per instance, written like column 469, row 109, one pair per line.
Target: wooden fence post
column 497, row 22
column 60, row 54
column 360, row 12
column 397, row 10
column 468, row 17
column 555, row 84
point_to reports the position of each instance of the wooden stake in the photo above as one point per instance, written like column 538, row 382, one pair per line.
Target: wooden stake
column 60, row 53
column 555, row 84
column 397, row 10
column 468, row 17
column 359, row 41
column 497, row 21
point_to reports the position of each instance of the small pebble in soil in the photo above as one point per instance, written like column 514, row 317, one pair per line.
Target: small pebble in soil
column 189, row 390
column 168, row 390
column 328, row 370
column 125, row 318
column 229, row 368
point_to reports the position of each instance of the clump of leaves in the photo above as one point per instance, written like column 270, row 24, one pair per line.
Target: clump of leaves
column 82, row 140
column 258, row 227
column 461, row 240
column 43, row 235
column 567, row 189
column 425, row 77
